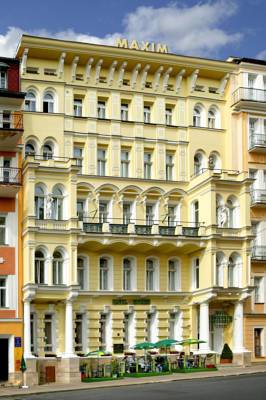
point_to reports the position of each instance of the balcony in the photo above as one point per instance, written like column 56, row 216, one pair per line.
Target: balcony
column 258, row 197
column 258, row 253
column 10, row 181
column 257, row 142
column 11, row 129
column 249, row 97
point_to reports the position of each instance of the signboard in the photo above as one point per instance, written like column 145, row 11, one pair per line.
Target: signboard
column 118, row 302
column 141, row 301
column 145, row 46
column 17, row 341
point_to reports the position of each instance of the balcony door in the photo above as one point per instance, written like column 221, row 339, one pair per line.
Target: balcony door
column 6, row 169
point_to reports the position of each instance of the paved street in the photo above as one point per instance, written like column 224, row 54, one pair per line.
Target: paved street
column 243, row 387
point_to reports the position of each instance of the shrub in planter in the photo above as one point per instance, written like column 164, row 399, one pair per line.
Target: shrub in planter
column 227, row 354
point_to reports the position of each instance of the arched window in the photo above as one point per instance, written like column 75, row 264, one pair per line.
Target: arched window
column 233, row 212
column 127, row 274
column 47, row 151
column 212, row 118
column 39, row 267
column 198, row 163
column 39, row 202
column 58, row 197
column 195, row 213
column 234, row 276
column 30, row 149
column 152, row 274
column 81, row 272
column 30, row 101
column 58, row 262
column 196, row 273
column 48, row 103
column 220, row 269
column 197, row 116
column 231, row 273
column 104, row 273
column 173, row 276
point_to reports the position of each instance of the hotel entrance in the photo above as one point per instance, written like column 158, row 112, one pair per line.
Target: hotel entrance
column 4, row 360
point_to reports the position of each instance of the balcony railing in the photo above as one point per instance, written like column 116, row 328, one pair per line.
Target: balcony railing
column 138, row 227
column 10, row 176
column 258, row 196
column 259, row 253
column 11, row 120
column 245, row 93
column 257, row 139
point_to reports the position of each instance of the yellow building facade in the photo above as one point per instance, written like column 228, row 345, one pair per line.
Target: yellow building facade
column 248, row 117
column 136, row 222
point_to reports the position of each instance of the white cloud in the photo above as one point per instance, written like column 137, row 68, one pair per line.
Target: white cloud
column 192, row 30
column 261, row 55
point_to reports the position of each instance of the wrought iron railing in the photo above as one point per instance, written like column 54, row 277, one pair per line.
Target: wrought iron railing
column 257, row 139
column 10, row 176
column 118, row 228
column 92, row 227
column 246, row 93
column 259, row 253
column 258, row 196
column 11, row 120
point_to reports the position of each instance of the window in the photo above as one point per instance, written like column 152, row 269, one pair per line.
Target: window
column 39, row 267
column 58, row 263
column 79, row 332
column 2, row 230
column 151, row 327
column 173, row 322
column 103, row 212
column 147, row 114
column 198, row 164
column 195, row 213
column 173, row 284
column 29, row 149
column 101, row 109
column 150, row 275
column 78, row 155
column 253, row 125
column 220, row 270
column 48, row 103
column 171, row 216
column 3, row 79
column 197, row 116
column 147, row 165
column 33, row 332
column 125, row 163
column 30, row 101
column 149, row 214
column 214, row 161
column 3, row 289
column 231, row 273
column 233, row 212
column 127, row 274
column 196, row 283
column 126, row 213
column 77, row 107
column 6, row 119
column 124, row 112
column 168, row 116
column 211, row 119
column 169, row 167
column 101, row 162
column 104, row 274
column 39, row 202
column 259, row 289
column 81, row 272
column 48, row 333
column 47, row 151
column 80, row 209
column 57, row 204
column 103, row 329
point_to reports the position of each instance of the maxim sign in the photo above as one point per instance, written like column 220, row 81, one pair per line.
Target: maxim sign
column 146, row 46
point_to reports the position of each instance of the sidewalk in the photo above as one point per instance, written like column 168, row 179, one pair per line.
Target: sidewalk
column 55, row 387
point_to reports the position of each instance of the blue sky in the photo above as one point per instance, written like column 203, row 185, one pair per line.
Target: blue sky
column 214, row 28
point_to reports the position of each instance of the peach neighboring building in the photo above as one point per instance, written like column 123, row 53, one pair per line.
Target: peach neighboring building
column 11, row 129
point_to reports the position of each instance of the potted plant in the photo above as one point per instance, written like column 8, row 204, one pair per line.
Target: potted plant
column 227, row 355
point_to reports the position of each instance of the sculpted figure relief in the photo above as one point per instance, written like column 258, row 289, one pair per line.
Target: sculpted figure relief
column 49, row 206
column 222, row 216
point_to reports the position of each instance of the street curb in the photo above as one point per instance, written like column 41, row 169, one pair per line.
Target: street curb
column 125, row 384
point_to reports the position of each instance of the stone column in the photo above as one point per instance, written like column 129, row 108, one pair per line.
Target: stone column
column 204, row 327
column 27, row 344
column 238, row 338
column 69, row 352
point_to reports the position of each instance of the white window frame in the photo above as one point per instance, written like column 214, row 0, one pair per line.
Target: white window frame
column 80, row 320
column 169, row 166
column 259, row 297
column 49, row 347
column 78, row 155
column 30, row 101
column 101, row 162
column 3, row 229
column 50, row 102
column 101, row 109
column 125, row 163
column 77, row 107
column 174, row 277
column 58, row 269
column 147, row 165
column 124, row 111
column 38, row 266
column 147, row 114
column 169, row 116
column 195, row 273
column 3, row 79
column 3, row 292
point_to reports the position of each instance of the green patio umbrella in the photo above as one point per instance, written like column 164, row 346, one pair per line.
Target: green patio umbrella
column 144, row 346
column 96, row 353
column 189, row 342
column 164, row 343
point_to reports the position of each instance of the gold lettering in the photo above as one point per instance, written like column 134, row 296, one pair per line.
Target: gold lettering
column 162, row 48
column 152, row 47
column 121, row 43
column 134, row 45
column 145, row 46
